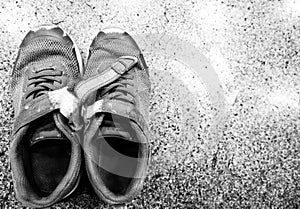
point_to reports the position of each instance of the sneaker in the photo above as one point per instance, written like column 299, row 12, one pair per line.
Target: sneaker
column 45, row 152
column 115, row 91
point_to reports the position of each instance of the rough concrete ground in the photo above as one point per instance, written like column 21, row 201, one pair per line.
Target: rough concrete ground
column 225, row 80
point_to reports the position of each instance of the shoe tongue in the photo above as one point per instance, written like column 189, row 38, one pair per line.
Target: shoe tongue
column 45, row 129
column 115, row 128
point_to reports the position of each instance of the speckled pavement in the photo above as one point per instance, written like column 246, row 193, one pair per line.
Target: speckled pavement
column 225, row 76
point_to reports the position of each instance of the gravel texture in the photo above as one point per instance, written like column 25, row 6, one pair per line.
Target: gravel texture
column 225, row 79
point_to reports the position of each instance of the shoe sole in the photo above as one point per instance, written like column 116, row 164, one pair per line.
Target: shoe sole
column 113, row 30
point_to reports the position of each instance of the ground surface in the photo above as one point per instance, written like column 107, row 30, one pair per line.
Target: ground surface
column 225, row 91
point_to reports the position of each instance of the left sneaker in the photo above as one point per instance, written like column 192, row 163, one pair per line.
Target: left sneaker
column 115, row 91
column 45, row 153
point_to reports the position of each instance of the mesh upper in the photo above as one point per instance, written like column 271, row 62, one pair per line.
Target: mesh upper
column 40, row 52
column 106, row 49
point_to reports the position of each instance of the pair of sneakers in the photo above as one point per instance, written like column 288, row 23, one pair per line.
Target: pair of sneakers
column 71, row 119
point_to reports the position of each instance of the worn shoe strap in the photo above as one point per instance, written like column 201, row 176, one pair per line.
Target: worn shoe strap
column 118, row 108
column 88, row 86
column 118, row 68
column 60, row 99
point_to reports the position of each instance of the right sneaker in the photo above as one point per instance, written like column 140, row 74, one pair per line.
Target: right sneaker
column 115, row 94
column 45, row 153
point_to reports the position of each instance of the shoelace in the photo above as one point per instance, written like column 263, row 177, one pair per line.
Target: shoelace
column 121, row 89
column 42, row 81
